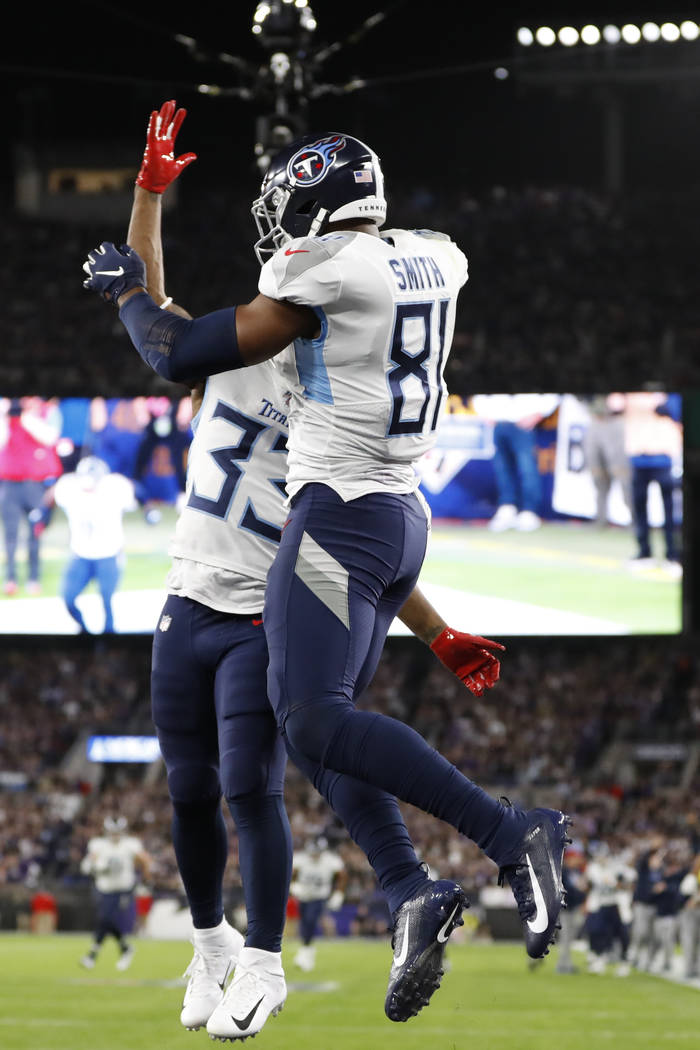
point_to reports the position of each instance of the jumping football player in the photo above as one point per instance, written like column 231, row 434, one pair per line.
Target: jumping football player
column 365, row 400
column 216, row 727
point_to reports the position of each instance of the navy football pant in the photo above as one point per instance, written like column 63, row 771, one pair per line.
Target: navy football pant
column 342, row 572
column 116, row 914
column 310, row 913
column 217, row 734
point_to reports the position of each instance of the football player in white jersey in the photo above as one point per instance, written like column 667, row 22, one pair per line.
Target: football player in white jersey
column 355, row 538
column 114, row 860
column 216, row 727
column 319, row 879
column 95, row 501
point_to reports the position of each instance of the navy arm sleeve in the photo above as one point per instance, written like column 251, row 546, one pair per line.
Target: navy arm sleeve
column 178, row 348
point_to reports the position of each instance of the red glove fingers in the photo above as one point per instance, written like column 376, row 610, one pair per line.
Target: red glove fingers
column 160, row 166
column 467, row 656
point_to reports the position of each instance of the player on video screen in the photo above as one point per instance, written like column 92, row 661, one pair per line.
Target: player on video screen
column 29, row 431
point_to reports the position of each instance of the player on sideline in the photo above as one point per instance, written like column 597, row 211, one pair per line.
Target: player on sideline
column 319, row 879
column 371, row 321
column 113, row 860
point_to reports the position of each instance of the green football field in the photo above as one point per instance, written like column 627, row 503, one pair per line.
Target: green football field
column 567, row 578
column 490, row 1000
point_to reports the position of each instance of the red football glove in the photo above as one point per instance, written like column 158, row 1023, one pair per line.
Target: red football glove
column 160, row 166
column 468, row 657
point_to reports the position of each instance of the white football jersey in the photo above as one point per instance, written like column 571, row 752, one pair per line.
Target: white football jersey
column 229, row 529
column 95, row 512
column 314, row 874
column 367, row 393
column 111, row 862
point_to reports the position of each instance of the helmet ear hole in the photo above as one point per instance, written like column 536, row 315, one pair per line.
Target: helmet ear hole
column 307, row 207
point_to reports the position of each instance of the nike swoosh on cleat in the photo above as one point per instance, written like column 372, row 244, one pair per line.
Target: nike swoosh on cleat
column 442, row 933
column 296, row 251
column 541, row 920
column 400, row 959
column 244, row 1023
column 110, row 273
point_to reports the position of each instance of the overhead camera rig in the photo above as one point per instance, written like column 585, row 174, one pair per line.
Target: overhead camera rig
column 282, row 87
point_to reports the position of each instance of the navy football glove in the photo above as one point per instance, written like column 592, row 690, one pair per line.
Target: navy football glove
column 112, row 271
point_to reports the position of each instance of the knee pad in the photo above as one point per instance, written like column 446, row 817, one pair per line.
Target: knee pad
column 190, row 784
column 311, row 728
column 253, row 771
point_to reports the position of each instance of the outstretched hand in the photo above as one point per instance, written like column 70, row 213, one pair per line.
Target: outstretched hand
column 112, row 271
column 160, row 166
column 468, row 656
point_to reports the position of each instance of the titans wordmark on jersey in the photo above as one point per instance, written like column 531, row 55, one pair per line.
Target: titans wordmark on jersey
column 366, row 393
column 227, row 534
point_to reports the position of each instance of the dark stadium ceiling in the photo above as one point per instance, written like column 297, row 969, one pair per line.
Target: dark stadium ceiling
column 101, row 44
column 397, row 72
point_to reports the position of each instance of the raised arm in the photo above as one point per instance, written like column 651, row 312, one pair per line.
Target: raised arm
column 159, row 169
column 179, row 348
column 466, row 655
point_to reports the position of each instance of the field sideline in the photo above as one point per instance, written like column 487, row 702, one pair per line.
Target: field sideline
column 567, row 578
column 490, row 1000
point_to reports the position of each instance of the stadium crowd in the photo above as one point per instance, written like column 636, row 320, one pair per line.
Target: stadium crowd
column 557, row 276
column 574, row 292
column 541, row 737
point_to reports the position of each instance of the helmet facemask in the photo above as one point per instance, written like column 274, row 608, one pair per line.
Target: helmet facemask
column 270, row 212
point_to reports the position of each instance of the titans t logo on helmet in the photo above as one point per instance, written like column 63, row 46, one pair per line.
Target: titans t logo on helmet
column 310, row 164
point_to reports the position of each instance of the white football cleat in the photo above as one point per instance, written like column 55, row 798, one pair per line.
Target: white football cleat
column 527, row 521
column 305, row 958
column 504, row 518
column 211, row 965
column 257, row 991
column 88, row 961
column 125, row 959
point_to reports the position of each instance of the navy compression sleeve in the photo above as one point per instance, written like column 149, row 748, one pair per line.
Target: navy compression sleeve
column 179, row 348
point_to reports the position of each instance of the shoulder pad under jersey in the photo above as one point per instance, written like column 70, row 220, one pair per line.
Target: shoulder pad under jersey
column 303, row 254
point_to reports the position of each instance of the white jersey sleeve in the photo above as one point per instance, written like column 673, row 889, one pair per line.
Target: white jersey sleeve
column 367, row 390
column 228, row 532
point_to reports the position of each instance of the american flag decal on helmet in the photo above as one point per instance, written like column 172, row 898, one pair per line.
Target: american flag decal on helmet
column 363, row 176
column 311, row 163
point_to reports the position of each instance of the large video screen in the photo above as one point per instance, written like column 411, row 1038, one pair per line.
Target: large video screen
column 552, row 514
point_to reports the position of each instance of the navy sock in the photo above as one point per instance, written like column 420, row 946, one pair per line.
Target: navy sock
column 390, row 755
column 201, row 846
column 265, row 860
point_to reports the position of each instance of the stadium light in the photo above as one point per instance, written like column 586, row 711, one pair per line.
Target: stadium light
column 568, row 36
column 545, row 36
column 501, row 73
column 590, row 34
column 690, row 30
column 631, row 34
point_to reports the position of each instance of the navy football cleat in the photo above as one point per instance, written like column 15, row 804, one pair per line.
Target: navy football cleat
column 535, row 878
column 421, row 929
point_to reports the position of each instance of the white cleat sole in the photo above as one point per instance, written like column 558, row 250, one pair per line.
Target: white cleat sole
column 251, row 1035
